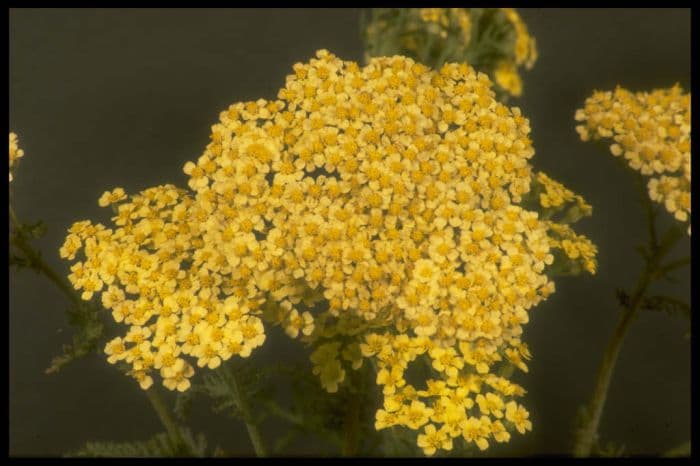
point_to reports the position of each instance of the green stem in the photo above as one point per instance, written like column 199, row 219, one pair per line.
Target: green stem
column 296, row 420
column 165, row 417
column 352, row 416
column 588, row 434
column 38, row 264
column 13, row 217
column 253, row 432
column 675, row 265
column 283, row 413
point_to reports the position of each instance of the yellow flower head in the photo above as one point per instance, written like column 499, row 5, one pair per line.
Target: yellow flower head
column 651, row 130
column 373, row 212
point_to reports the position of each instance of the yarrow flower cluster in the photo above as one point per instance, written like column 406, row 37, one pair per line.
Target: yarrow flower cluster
column 378, row 214
column 15, row 152
column 492, row 40
column 651, row 130
column 524, row 54
column 556, row 199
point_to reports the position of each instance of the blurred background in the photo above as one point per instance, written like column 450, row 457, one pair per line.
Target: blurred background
column 103, row 98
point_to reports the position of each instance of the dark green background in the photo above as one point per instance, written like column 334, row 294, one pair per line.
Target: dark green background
column 105, row 98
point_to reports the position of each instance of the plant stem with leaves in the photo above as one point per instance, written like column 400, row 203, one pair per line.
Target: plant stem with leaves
column 587, row 435
column 165, row 417
column 33, row 259
column 251, row 426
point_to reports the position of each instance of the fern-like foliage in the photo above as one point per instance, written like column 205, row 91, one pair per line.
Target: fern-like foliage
column 667, row 304
column 228, row 385
column 156, row 447
column 183, row 404
column 221, row 388
column 87, row 339
column 81, row 315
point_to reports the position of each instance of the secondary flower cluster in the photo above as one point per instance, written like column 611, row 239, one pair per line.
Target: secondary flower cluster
column 159, row 274
column 556, row 199
column 652, row 131
column 492, row 40
column 15, row 152
column 376, row 213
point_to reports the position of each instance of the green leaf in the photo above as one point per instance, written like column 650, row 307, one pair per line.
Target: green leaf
column 183, row 404
column 36, row 230
column 642, row 250
column 159, row 446
column 676, row 264
column 216, row 386
column 400, row 441
column 19, row 261
column 666, row 304
column 253, row 383
column 611, row 450
column 673, row 234
column 283, row 441
column 85, row 341
column 562, row 265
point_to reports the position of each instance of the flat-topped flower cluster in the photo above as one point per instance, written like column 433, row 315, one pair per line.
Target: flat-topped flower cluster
column 651, row 130
column 376, row 213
